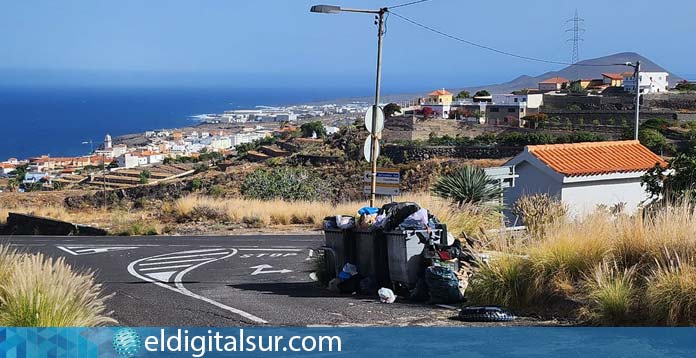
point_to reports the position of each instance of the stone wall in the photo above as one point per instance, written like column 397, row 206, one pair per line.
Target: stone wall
column 409, row 128
column 402, row 154
column 21, row 224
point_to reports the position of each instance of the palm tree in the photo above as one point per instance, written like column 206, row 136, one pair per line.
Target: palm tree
column 468, row 185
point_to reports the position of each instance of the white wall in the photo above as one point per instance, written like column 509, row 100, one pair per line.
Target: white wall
column 650, row 82
column 582, row 198
column 530, row 181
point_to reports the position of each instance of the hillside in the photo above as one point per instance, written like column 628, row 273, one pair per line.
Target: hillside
column 526, row 81
column 582, row 71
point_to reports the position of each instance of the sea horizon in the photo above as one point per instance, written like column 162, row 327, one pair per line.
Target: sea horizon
column 57, row 120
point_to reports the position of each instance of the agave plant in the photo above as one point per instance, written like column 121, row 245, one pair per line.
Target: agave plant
column 468, row 185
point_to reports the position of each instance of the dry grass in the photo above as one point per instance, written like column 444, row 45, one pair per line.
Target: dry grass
column 570, row 263
column 469, row 219
column 39, row 291
column 671, row 293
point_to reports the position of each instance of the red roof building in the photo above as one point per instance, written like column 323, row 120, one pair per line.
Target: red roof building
column 585, row 175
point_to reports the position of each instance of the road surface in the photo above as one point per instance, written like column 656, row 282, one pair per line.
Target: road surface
column 221, row 281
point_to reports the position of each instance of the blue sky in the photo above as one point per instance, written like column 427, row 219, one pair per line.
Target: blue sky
column 229, row 42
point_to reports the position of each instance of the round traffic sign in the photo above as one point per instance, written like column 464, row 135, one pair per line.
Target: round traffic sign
column 380, row 119
column 367, row 148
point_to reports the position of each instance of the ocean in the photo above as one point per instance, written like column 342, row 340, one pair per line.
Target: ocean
column 56, row 121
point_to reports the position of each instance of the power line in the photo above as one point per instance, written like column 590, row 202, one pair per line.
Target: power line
column 407, row 4
column 502, row 52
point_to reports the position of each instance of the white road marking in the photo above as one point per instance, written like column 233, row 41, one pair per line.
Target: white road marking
column 87, row 250
column 261, row 269
column 189, row 256
column 294, row 250
column 162, row 278
column 173, row 262
column 163, row 268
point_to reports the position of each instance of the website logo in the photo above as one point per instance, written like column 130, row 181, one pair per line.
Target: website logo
column 126, row 342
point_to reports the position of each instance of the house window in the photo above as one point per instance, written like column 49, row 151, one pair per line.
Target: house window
column 511, row 110
column 494, row 109
column 515, row 99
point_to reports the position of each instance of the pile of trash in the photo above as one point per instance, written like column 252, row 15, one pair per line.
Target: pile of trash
column 445, row 264
column 391, row 216
column 349, row 281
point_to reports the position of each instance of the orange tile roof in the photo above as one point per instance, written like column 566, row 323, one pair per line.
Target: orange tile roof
column 442, row 92
column 613, row 76
column 560, row 80
column 596, row 158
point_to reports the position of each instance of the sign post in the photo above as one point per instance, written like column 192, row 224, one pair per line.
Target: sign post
column 387, row 182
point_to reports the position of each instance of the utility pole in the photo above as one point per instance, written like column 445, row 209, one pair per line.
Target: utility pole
column 636, row 75
column 373, row 151
column 379, row 21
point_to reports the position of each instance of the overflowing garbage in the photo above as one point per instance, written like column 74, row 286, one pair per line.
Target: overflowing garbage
column 401, row 249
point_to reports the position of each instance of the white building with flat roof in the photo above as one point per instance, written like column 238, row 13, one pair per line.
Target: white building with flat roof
column 649, row 82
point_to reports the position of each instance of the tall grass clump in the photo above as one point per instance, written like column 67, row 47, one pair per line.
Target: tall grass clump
column 611, row 295
column 539, row 211
column 44, row 292
column 566, row 252
column 671, row 293
column 506, row 281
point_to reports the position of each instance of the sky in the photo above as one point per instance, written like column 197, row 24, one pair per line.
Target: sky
column 280, row 44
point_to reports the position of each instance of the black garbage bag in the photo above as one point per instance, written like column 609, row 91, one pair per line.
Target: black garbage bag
column 420, row 292
column 350, row 285
column 397, row 213
column 443, row 285
column 485, row 314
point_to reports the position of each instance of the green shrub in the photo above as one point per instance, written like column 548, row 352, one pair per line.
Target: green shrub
column 196, row 184
column 467, row 185
column 287, row 183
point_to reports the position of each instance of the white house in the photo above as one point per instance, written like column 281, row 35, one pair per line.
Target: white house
column 584, row 175
column 533, row 100
column 131, row 161
column 650, row 82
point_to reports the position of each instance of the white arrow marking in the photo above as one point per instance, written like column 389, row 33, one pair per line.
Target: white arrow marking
column 260, row 270
column 87, row 250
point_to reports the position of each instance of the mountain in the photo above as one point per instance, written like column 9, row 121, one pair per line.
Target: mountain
column 584, row 69
column 526, row 81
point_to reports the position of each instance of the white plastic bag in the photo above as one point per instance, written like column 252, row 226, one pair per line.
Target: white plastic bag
column 386, row 295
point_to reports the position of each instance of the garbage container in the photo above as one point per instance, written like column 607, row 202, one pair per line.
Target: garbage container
column 371, row 255
column 404, row 252
column 341, row 242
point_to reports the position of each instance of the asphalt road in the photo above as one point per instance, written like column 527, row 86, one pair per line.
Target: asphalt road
column 221, row 281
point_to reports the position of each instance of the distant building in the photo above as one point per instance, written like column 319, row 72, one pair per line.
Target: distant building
column 613, row 79
column 107, row 142
column 440, row 101
column 6, row 168
column 584, row 175
column 531, row 101
column 649, row 82
column 553, row 84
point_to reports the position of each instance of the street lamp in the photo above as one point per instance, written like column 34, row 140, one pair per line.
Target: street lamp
column 332, row 9
column 636, row 74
